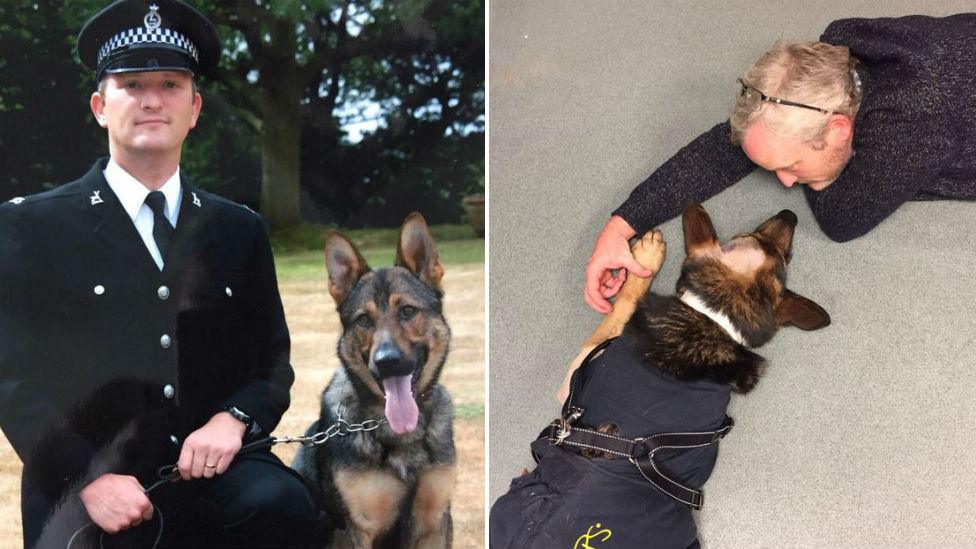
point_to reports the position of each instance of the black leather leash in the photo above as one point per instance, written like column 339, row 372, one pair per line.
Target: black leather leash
column 641, row 451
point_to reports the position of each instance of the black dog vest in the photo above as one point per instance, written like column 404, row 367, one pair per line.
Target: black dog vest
column 571, row 502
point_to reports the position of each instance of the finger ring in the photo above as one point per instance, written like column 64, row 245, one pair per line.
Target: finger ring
column 208, row 466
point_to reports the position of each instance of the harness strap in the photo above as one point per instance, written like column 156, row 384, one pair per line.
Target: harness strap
column 650, row 470
column 640, row 451
column 574, row 381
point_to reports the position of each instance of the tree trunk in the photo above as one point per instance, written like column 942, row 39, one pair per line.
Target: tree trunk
column 280, row 164
column 281, row 132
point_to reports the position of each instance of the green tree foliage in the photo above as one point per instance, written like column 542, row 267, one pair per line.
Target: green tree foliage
column 275, row 130
column 46, row 133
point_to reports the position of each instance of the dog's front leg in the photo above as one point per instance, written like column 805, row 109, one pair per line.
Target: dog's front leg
column 435, row 487
column 372, row 499
column 649, row 251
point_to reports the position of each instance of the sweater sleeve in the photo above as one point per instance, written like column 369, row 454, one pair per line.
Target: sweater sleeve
column 896, row 155
column 700, row 170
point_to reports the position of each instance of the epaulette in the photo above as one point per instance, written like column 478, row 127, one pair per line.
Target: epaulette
column 198, row 194
column 57, row 192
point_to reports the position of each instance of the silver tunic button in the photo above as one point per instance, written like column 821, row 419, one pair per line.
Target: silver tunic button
column 165, row 341
column 174, row 440
column 99, row 290
column 169, row 391
column 228, row 291
column 163, row 292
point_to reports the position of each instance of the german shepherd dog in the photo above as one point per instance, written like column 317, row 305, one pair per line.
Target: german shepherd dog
column 670, row 374
column 390, row 487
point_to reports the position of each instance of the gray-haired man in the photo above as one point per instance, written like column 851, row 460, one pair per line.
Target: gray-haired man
column 879, row 112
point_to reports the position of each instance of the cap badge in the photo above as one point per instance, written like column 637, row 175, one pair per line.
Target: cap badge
column 152, row 20
column 95, row 199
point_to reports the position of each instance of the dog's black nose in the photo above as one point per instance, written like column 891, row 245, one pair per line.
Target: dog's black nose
column 788, row 216
column 389, row 360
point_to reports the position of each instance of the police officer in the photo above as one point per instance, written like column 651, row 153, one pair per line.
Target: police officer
column 140, row 321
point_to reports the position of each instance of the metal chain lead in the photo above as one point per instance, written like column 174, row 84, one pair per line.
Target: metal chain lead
column 340, row 428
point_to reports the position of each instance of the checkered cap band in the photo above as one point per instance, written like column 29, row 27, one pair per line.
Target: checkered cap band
column 143, row 35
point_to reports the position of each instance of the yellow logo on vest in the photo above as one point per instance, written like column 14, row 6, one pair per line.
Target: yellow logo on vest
column 583, row 542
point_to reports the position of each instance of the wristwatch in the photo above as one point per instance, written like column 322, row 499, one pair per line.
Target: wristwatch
column 239, row 415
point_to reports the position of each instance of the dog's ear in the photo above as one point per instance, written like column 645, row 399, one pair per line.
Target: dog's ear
column 417, row 252
column 345, row 265
column 700, row 237
column 778, row 231
column 796, row 310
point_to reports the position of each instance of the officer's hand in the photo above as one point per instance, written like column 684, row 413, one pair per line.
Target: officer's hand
column 116, row 502
column 209, row 450
column 611, row 251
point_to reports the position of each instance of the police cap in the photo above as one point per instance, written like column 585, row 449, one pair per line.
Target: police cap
column 148, row 35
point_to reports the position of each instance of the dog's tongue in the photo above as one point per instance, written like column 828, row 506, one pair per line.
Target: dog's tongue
column 401, row 408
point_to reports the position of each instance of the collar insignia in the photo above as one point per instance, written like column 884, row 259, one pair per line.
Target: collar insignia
column 17, row 200
column 95, row 199
column 196, row 199
column 152, row 20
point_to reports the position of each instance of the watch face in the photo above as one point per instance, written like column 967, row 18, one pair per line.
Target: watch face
column 238, row 414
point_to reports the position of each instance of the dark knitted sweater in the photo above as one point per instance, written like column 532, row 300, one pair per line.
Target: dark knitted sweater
column 914, row 135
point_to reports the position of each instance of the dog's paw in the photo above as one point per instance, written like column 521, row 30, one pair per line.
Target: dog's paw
column 650, row 250
column 748, row 377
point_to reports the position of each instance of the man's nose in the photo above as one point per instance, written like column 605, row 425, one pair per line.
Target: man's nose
column 151, row 99
column 785, row 178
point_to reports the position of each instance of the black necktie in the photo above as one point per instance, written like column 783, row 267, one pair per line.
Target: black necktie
column 162, row 230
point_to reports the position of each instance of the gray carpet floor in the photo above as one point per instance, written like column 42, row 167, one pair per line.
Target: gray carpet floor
column 859, row 435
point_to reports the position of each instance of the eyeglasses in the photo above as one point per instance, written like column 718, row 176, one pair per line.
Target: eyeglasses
column 744, row 92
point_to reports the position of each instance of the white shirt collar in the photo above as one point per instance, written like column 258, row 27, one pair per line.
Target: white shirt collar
column 696, row 303
column 132, row 194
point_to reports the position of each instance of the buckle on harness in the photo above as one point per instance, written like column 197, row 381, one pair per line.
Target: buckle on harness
column 573, row 414
column 638, row 450
column 565, row 424
column 562, row 432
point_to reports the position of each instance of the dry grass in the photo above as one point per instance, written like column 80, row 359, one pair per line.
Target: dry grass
column 314, row 329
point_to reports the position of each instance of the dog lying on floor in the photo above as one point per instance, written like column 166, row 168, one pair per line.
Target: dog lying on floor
column 624, row 465
column 390, row 486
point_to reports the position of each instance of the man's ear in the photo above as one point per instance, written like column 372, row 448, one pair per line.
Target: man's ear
column 840, row 128
column 97, row 104
column 197, row 106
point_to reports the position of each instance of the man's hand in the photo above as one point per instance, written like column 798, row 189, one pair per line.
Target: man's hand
column 209, row 450
column 116, row 502
column 611, row 251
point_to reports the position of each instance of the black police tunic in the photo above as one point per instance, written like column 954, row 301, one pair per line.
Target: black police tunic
column 570, row 501
column 95, row 338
